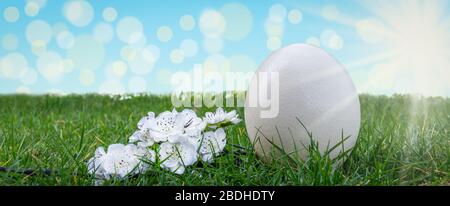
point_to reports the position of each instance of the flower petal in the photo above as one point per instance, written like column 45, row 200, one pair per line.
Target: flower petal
column 167, row 156
column 213, row 142
column 235, row 120
column 164, row 123
column 135, row 137
column 151, row 155
column 220, row 112
column 158, row 136
column 175, row 138
column 210, row 118
column 120, row 160
column 179, row 123
column 188, row 153
column 144, row 123
column 230, row 115
column 207, row 157
column 100, row 152
column 220, row 138
column 178, row 170
column 116, row 148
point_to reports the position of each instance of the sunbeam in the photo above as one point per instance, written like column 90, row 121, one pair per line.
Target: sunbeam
column 419, row 31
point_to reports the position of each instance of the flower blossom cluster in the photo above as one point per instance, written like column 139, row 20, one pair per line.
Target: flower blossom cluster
column 173, row 139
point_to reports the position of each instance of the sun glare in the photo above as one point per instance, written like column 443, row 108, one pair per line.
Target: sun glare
column 418, row 33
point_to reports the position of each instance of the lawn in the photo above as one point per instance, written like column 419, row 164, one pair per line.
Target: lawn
column 402, row 141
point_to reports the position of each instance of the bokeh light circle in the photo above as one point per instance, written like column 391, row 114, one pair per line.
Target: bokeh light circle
column 277, row 12
column 29, row 76
column 187, row 23
column 87, row 77
column 295, row 16
column 58, row 27
column 177, row 56
column 103, row 33
column 32, row 9
column 38, row 30
column 79, row 13
column 164, row 34
column 127, row 52
column 65, row 40
column 141, row 61
column 40, row 3
column 38, row 47
column 331, row 39
column 116, row 70
column 109, row 14
column 154, row 50
column 273, row 28
column 11, row 14
column 273, row 43
column 213, row 45
column 336, row 42
column 138, row 40
column 10, row 42
column 129, row 30
column 68, row 65
column 12, row 65
column 189, row 47
column 239, row 21
column 212, row 23
column 313, row 41
column 86, row 53
column 330, row 12
column 50, row 65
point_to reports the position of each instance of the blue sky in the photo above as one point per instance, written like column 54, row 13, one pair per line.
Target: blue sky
column 364, row 36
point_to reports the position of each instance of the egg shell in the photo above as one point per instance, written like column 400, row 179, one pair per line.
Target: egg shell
column 314, row 89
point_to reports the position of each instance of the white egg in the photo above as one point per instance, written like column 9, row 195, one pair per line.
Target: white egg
column 314, row 89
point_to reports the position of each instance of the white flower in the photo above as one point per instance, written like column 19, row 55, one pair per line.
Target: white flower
column 212, row 144
column 119, row 161
column 193, row 125
column 220, row 116
column 192, row 128
column 167, row 124
column 172, row 126
column 142, row 136
column 179, row 136
column 232, row 117
column 143, row 124
column 175, row 157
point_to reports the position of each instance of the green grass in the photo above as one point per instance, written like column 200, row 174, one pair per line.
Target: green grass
column 401, row 142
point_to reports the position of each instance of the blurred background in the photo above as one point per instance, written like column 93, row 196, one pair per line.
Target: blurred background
column 80, row 46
